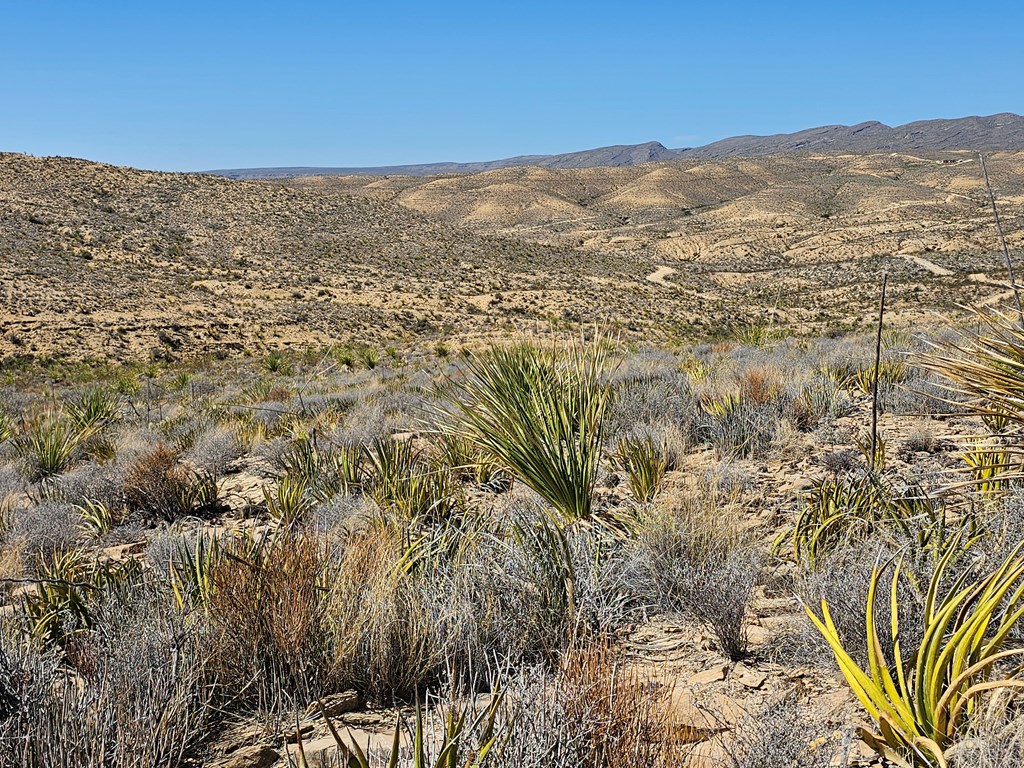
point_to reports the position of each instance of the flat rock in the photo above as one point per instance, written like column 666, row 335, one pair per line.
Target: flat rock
column 335, row 705
column 252, row 756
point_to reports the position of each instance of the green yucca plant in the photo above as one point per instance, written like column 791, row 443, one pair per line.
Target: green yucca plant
column 889, row 372
column 985, row 369
column 539, row 411
column 93, row 408
column 922, row 702
column 402, row 482
column 466, row 459
column 992, row 468
column 838, row 509
column 62, row 605
column 6, row 427
column 288, row 503
column 96, row 518
column 191, row 570
column 51, row 445
column 645, row 466
column 454, row 750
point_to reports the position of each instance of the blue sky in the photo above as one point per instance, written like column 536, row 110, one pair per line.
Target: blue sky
column 201, row 85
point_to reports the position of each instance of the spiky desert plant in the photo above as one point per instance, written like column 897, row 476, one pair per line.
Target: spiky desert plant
column 466, row 459
column 645, row 466
column 992, row 468
column 288, row 503
column 97, row 518
column 985, row 368
column 922, row 702
column 94, row 408
column 50, row 445
column 454, row 751
column 191, row 570
column 539, row 411
column 840, row 508
column 403, row 482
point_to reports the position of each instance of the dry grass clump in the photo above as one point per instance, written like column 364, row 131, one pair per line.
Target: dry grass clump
column 158, row 484
column 702, row 564
column 268, row 614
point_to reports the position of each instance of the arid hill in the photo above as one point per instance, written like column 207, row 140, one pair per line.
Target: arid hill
column 101, row 261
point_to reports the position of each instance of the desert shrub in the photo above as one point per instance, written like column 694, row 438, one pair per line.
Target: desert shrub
column 593, row 710
column 701, row 565
column 823, row 399
column 652, row 403
column 143, row 702
column 384, row 618
column 995, row 742
column 158, row 484
column 779, row 733
column 44, row 530
column 214, row 449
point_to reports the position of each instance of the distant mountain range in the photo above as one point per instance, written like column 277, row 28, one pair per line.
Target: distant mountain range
column 1004, row 131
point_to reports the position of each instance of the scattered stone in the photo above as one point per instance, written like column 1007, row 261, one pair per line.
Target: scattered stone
column 253, row 756
column 712, row 675
column 335, row 706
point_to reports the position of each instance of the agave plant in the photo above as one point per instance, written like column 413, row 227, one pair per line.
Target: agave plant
column 539, row 411
column 923, row 701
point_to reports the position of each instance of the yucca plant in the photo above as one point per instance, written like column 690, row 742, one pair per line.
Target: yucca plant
column 985, row 369
column 466, row 459
column 539, row 411
column 93, row 408
column 288, row 503
column 62, row 605
column 96, row 518
column 454, row 750
column 889, row 372
column 51, row 445
column 838, row 509
column 645, row 465
column 403, row 482
column 921, row 703
column 992, row 468
column 191, row 570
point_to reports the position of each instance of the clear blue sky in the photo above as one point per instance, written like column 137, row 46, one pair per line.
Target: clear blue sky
column 200, row 85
